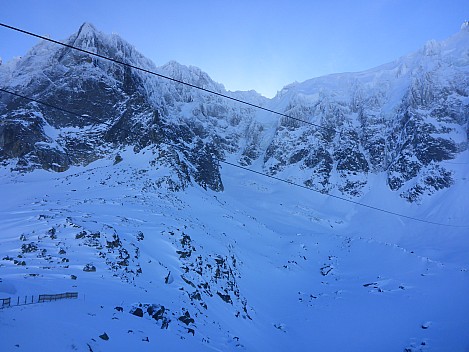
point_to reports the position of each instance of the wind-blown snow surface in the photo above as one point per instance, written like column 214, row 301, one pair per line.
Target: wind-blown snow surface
column 262, row 266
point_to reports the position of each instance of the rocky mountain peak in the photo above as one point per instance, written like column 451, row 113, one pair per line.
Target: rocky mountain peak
column 403, row 119
column 87, row 29
column 190, row 74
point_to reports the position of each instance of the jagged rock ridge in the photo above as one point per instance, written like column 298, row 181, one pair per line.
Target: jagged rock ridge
column 402, row 119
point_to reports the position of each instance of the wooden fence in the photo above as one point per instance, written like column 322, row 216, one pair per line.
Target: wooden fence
column 21, row 301
column 66, row 295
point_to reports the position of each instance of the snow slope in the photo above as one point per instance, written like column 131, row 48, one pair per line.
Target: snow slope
column 276, row 269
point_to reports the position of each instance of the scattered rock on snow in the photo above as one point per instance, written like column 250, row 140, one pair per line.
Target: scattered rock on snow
column 426, row 325
column 186, row 318
column 104, row 336
column 89, row 268
column 137, row 311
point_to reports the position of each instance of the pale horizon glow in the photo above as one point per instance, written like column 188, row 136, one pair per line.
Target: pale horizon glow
column 247, row 45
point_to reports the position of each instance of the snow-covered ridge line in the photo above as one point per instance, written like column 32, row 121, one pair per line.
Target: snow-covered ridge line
column 402, row 118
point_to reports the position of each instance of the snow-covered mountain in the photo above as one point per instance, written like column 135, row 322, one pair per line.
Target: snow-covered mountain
column 404, row 118
column 122, row 194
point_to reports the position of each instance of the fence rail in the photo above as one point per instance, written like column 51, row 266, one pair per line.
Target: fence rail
column 21, row 301
column 66, row 295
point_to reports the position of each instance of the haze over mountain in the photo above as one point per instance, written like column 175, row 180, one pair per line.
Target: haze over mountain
column 132, row 177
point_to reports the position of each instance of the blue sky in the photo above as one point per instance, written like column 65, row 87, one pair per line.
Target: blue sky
column 261, row 45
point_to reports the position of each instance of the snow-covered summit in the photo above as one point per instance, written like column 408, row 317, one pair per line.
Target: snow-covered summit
column 87, row 29
column 451, row 50
column 465, row 25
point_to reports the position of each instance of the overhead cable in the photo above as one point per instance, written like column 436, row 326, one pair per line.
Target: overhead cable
column 167, row 77
column 389, row 212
